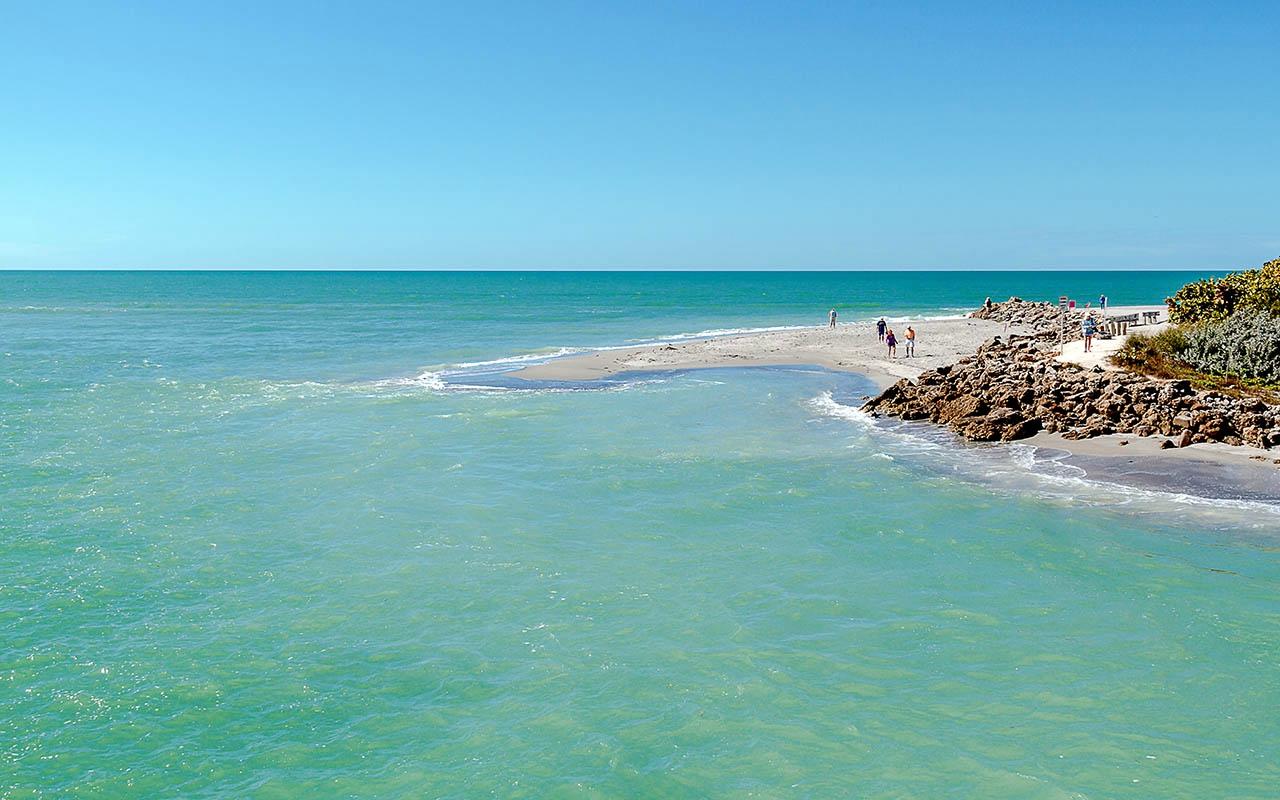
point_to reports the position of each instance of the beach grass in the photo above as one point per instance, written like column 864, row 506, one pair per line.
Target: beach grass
column 1158, row 355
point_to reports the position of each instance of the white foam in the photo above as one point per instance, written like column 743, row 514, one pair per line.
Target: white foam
column 1014, row 468
column 717, row 332
column 513, row 362
column 431, row 381
column 922, row 318
column 74, row 309
column 524, row 358
column 437, row 382
column 712, row 333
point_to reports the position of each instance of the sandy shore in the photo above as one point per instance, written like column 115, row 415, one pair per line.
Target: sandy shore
column 854, row 347
column 1128, row 446
column 1205, row 470
column 1102, row 349
column 851, row 347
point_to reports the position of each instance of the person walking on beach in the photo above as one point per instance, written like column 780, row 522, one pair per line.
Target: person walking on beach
column 1088, row 327
column 892, row 341
column 1102, row 302
column 832, row 319
column 910, row 349
column 880, row 327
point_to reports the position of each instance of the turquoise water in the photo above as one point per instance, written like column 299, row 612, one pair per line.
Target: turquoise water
column 262, row 540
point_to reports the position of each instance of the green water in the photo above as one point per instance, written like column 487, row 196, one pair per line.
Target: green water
column 244, row 556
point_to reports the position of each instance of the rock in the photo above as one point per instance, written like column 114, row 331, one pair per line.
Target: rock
column 1215, row 428
column 963, row 407
column 1020, row 430
column 1167, row 445
column 1012, row 387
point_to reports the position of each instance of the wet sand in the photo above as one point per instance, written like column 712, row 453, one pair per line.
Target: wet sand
column 1217, row 471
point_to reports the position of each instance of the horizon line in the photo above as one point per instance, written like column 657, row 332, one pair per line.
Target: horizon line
column 797, row 269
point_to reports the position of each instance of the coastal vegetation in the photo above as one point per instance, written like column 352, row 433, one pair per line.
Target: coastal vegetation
column 1225, row 334
column 1215, row 299
column 1240, row 352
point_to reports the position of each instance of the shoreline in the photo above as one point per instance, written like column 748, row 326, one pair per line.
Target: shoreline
column 1208, row 471
column 851, row 347
column 854, row 348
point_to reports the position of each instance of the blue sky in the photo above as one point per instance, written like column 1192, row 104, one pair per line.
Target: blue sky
column 668, row 135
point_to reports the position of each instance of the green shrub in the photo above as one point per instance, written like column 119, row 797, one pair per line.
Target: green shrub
column 1246, row 345
column 1157, row 354
column 1216, row 299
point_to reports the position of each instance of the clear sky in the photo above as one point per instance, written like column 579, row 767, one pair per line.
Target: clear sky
column 611, row 135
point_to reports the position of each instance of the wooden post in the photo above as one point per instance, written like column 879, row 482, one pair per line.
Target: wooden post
column 1062, row 327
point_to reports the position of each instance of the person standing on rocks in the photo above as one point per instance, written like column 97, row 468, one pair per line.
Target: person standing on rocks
column 910, row 349
column 892, row 341
column 831, row 320
column 1088, row 327
column 880, row 326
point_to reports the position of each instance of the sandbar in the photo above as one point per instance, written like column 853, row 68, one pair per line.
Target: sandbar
column 851, row 347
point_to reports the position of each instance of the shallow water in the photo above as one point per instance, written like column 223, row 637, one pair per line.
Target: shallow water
column 261, row 542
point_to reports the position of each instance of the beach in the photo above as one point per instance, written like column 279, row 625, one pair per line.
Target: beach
column 851, row 347
column 854, row 347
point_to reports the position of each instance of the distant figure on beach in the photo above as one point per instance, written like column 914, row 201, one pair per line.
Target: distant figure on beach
column 987, row 304
column 892, row 341
column 880, row 327
column 832, row 319
column 910, row 349
column 1102, row 302
column 1088, row 327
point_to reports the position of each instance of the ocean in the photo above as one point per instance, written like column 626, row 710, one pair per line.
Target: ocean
column 284, row 535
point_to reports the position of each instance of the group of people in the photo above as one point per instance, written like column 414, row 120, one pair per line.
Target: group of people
column 887, row 336
column 1089, row 327
column 890, row 339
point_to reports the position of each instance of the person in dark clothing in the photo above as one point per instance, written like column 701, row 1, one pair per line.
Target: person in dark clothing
column 880, row 327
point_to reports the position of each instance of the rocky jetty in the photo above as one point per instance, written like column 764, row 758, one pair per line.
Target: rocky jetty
column 1043, row 317
column 1013, row 387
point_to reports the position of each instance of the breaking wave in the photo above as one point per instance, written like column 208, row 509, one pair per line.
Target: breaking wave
column 1013, row 468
